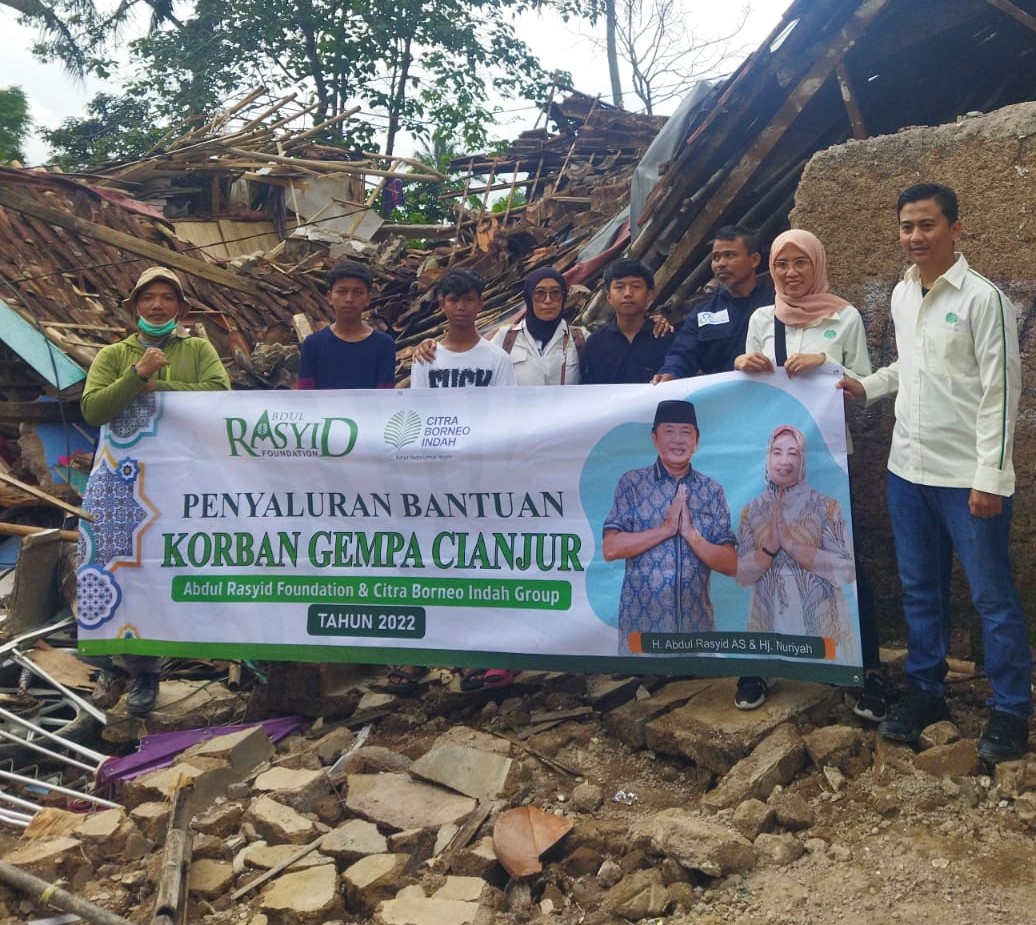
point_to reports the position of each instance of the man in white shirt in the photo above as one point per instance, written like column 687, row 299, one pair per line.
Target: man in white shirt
column 951, row 478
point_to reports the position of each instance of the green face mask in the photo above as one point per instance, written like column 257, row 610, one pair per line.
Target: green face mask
column 156, row 330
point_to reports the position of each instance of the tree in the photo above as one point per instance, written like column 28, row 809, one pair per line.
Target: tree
column 415, row 65
column 115, row 128
column 665, row 56
column 14, row 123
column 75, row 32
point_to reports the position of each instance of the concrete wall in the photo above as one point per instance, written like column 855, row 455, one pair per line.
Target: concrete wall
column 847, row 197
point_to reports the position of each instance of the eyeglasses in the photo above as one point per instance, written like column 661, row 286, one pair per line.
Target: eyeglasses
column 799, row 264
column 547, row 295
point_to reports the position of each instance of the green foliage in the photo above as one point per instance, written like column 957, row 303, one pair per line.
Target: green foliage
column 14, row 123
column 414, row 66
column 115, row 128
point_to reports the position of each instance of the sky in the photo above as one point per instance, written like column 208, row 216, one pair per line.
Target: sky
column 54, row 95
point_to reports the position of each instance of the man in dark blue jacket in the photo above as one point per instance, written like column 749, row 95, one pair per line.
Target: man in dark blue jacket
column 714, row 332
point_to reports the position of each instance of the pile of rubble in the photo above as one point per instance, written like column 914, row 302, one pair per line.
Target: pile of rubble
column 572, row 800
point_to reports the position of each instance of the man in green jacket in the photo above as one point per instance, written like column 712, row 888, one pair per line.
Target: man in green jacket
column 157, row 357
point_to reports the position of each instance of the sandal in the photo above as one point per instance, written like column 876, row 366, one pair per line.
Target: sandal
column 403, row 679
column 472, row 679
column 498, row 677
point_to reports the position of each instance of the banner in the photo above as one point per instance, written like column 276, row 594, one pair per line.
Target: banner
column 521, row 527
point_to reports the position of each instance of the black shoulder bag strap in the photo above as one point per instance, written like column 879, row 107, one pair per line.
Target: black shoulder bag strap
column 780, row 341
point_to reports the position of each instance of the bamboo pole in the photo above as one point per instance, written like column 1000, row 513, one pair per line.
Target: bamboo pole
column 50, row 894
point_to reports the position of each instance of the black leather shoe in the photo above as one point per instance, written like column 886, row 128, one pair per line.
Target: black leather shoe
column 916, row 711
column 1005, row 738
column 143, row 693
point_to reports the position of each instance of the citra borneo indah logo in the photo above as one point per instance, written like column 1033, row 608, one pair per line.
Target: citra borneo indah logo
column 290, row 433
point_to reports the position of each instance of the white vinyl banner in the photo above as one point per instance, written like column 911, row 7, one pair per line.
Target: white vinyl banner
column 519, row 527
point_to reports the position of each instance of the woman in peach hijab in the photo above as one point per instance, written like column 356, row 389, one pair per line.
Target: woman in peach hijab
column 807, row 327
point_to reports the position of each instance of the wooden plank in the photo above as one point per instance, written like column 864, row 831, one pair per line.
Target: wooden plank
column 1005, row 6
column 43, row 496
column 127, row 242
column 852, row 106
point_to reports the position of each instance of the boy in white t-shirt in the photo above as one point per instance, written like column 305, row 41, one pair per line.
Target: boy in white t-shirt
column 463, row 359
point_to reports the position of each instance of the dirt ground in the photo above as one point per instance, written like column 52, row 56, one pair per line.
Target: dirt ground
column 895, row 844
column 881, row 840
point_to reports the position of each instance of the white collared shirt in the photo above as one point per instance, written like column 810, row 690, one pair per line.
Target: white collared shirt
column 958, row 379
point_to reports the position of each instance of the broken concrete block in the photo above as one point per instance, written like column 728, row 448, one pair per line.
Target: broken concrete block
column 209, row 878
column 639, row 895
column 243, row 750
column 463, row 889
column 713, row 733
column 476, row 739
column 587, row 797
column 399, row 802
column 51, row 822
column 221, row 820
column 371, row 759
column 779, row 849
column 475, row 773
column 627, row 722
column 299, row 789
column 1025, row 808
column 210, row 846
column 278, row 823
column 958, row 759
column 834, row 746
column 208, row 783
column 753, row 817
column 794, row 812
column 261, row 856
column 304, row 897
column 353, row 840
column 1013, row 778
column 373, row 879
column 331, row 746
column 104, row 833
column 941, row 733
column 419, row 910
column 695, row 843
column 443, row 837
column 50, row 858
column 775, row 760
column 151, row 818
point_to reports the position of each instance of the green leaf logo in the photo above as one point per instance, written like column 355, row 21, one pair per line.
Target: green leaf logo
column 951, row 318
column 403, row 428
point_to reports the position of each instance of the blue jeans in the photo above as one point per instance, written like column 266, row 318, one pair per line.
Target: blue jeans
column 928, row 524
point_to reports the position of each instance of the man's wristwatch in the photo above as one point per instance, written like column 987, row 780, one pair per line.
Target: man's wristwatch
column 140, row 375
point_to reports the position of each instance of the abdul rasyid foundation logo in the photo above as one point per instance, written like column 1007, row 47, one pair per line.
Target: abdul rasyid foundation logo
column 291, row 433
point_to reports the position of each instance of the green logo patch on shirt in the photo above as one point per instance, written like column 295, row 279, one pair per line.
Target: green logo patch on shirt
column 830, row 334
column 951, row 317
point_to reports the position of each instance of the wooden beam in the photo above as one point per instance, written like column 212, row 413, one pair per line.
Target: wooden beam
column 69, row 536
column 852, row 107
column 1005, row 6
column 36, row 492
column 126, row 242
